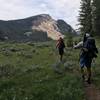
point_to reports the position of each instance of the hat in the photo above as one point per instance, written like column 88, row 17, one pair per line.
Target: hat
column 87, row 35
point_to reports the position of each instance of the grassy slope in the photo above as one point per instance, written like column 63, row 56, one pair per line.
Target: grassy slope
column 30, row 72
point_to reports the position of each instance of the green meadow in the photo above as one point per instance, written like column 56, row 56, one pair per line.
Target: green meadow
column 32, row 71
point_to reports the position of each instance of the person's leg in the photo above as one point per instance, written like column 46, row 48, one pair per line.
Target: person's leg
column 60, row 57
column 82, row 65
column 89, row 74
column 61, row 54
column 82, row 72
column 88, row 65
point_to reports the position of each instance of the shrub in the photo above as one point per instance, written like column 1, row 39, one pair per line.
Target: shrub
column 70, row 41
column 6, row 70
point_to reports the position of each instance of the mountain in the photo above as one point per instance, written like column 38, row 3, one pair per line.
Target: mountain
column 37, row 28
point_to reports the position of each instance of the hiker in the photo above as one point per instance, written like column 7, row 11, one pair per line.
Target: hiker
column 88, row 52
column 60, row 45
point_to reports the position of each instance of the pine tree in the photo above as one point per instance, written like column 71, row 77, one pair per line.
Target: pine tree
column 96, row 16
column 85, row 16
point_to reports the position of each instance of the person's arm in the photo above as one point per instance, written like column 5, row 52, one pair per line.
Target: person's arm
column 57, row 44
column 64, row 44
column 85, row 49
column 96, row 50
column 79, row 45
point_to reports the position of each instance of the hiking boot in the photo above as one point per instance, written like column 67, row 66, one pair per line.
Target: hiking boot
column 88, row 81
column 83, row 77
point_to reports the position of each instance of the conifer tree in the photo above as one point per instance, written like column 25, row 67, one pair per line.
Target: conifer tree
column 96, row 16
column 85, row 16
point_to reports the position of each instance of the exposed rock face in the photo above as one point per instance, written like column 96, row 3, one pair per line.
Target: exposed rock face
column 49, row 25
column 37, row 28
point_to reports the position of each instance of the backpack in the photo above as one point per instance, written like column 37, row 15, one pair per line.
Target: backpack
column 92, row 49
column 61, row 44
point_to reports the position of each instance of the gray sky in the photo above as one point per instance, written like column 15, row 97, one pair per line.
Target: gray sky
column 58, row 9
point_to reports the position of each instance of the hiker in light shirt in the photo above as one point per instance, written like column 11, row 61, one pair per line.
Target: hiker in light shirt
column 88, row 52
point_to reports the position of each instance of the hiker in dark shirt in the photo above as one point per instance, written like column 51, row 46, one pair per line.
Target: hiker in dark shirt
column 60, row 45
column 88, row 52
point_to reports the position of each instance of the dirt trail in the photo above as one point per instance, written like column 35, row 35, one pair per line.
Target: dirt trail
column 92, row 93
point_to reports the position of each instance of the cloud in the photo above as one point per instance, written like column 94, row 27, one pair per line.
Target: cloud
column 58, row 9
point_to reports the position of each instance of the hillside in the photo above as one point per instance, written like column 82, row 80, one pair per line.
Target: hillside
column 37, row 28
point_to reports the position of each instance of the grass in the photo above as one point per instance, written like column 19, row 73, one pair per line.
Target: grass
column 96, row 67
column 30, row 71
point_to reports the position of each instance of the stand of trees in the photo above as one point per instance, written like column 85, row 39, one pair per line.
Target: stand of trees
column 89, row 16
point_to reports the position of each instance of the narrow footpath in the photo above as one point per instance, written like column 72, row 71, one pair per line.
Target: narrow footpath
column 92, row 93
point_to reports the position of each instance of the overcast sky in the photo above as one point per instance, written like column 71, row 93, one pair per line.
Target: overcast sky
column 58, row 9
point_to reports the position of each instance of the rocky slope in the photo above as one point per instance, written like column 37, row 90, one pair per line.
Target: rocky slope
column 37, row 28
